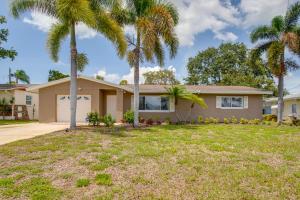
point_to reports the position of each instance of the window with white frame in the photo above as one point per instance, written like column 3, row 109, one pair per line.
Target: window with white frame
column 154, row 103
column 28, row 100
column 294, row 108
column 232, row 102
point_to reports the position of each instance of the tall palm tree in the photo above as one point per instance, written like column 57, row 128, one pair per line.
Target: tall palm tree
column 69, row 13
column 22, row 76
column 276, row 40
column 154, row 22
column 180, row 92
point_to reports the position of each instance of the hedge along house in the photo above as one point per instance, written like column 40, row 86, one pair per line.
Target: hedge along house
column 108, row 98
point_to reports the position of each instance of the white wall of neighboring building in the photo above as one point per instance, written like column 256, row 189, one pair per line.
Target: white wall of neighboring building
column 20, row 99
column 288, row 107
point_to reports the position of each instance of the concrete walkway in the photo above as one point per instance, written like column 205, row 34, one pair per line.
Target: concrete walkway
column 10, row 133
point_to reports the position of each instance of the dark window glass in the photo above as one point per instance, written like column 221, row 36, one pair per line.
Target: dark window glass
column 153, row 102
column 142, row 103
column 164, row 103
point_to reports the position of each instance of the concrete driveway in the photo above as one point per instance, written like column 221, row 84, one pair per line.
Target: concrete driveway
column 10, row 133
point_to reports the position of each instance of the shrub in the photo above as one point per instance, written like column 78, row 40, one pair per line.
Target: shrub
column 255, row 121
column 207, row 120
column 244, row 121
column 108, row 120
column 149, row 121
column 93, row 118
column 167, row 120
column 270, row 117
column 226, row 121
column 141, row 120
column 129, row 117
column 215, row 120
column 200, row 119
column 193, row 121
column 82, row 182
column 103, row 179
column 234, row 120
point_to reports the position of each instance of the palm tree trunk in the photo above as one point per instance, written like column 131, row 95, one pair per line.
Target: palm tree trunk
column 136, row 94
column 280, row 99
column 73, row 84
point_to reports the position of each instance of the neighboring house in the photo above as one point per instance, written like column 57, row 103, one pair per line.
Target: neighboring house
column 291, row 106
column 108, row 98
column 26, row 104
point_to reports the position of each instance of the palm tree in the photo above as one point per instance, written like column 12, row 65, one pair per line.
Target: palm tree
column 68, row 14
column 281, row 36
column 154, row 22
column 180, row 92
column 22, row 76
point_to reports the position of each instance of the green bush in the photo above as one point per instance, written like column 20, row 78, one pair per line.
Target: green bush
column 270, row 117
column 93, row 118
column 200, row 119
column 167, row 120
column 234, row 120
column 244, row 121
column 82, row 182
column 207, row 120
column 255, row 121
column 215, row 120
column 226, row 121
column 108, row 120
column 129, row 117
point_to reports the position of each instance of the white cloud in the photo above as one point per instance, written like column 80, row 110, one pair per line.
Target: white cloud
column 227, row 36
column 257, row 12
column 130, row 76
column 114, row 78
column 197, row 16
column 44, row 22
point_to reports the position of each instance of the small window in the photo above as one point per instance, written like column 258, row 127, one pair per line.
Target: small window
column 294, row 108
column 28, row 100
column 232, row 102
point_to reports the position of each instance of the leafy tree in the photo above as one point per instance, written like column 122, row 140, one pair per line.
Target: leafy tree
column 229, row 64
column 179, row 92
column 276, row 40
column 123, row 82
column 92, row 13
column 5, row 53
column 22, row 76
column 161, row 77
column 153, row 22
column 56, row 75
column 82, row 61
column 100, row 77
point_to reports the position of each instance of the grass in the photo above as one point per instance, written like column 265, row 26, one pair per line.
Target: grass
column 11, row 122
column 162, row 162
column 82, row 182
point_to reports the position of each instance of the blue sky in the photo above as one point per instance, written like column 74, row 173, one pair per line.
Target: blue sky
column 202, row 24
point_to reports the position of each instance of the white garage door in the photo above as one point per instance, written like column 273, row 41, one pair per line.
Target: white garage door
column 63, row 108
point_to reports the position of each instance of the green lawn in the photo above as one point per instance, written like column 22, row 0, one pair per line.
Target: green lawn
column 10, row 122
column 163, row 162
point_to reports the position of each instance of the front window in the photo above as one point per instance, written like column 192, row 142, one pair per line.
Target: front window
column 232, row 102
column 294, row 108
column 28, row 100
column 154, row 103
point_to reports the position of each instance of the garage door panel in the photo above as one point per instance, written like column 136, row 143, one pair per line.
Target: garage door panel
column 63, row 108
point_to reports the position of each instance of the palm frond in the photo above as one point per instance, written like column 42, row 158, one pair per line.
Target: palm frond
column 110, row 29
column 22, row 76
column 262, row 47
column 292, row 16
column 17, row 7
column 263, row 33
column 291, row 64
column 57, row 34
column 173, row 11
column 82, row 60
column 278, row 23
column 275, row 56
column 292, row 40
column 159, row 52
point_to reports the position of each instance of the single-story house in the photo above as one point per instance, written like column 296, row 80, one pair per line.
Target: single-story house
column 108, row 98
column 291, row 106
column 25, row 104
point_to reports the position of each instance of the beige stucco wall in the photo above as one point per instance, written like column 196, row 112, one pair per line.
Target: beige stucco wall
column 287, row 110
column 182, row 109
column 47, row 97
